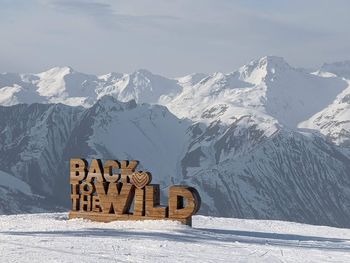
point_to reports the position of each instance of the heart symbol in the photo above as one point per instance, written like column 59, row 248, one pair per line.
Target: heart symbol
column 141, row 179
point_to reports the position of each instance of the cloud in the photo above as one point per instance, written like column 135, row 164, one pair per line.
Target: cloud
column 170, row 37
column 106, row 15
column 84, row 7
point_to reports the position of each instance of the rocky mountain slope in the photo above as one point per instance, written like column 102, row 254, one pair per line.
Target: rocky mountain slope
column 265, row 141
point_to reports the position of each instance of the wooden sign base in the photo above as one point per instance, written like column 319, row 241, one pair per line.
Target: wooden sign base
column 106, row 218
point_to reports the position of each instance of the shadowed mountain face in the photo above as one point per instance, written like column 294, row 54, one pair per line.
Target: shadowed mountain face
column 266, row 141
column 239, row 170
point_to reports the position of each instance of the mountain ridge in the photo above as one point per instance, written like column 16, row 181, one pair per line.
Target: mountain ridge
column 266, row 141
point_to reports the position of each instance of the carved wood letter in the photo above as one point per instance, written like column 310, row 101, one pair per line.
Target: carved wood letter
column 153, row 208
column 75, row 195
column 78, row 169
column 96, row 206
column 127, row 169
column 139, row 202
column 85, row 203
column 177, row 194
column 108, row 171
column 95, row 171
column 114, row 199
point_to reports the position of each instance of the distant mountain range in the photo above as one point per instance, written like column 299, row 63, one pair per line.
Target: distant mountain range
column 265, row 141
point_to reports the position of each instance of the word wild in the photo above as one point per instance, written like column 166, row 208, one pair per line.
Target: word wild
column 114, row 191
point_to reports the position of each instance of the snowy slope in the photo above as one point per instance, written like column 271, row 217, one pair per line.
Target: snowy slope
column 334, row 120
column 53, row 238
column 13, row 183
column 32, row 140
column 340, row 69
column 15, row 88
column 67, row 86
column 126, row 130
column 16, row 196
column 143, row 86
column 289, row 176
column 268, row 87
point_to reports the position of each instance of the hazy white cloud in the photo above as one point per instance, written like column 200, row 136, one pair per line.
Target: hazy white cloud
column 85, row 7
column 169, row 37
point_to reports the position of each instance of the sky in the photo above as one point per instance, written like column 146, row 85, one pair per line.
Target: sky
column 170, row 37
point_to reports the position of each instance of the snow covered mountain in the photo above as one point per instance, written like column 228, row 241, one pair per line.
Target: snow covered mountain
column 265, row 141
column 67, row 86
column 334, row 120
column 340, row 69
column 268, row 87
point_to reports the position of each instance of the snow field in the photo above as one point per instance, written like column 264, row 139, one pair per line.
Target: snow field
column 54, row 238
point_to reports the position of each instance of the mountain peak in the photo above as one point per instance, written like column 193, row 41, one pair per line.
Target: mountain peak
column 57, row 71
column 112, row 76
column 340, row 68
column 344, row 63
column 270, row 63
column 109, row 103
column 259, row 70
column 274, row 59
column 144, row 72
column 192, row 79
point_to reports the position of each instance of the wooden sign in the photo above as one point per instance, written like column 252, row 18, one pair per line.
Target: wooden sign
column 115, row 191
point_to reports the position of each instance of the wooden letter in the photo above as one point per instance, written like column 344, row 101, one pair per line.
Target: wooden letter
column 139, row 202
column 127, row 169
column 176, row 201
column 87, row 188
column 78, row 169
column 75, row 202
column 117, row 199
column 75, row 195
column 75, row 187
column 96, row 206
column 108, row 171
column 85, row 203
column 95, row 171
column 153, row 209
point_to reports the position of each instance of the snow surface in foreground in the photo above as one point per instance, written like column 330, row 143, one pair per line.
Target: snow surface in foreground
column 53, row 238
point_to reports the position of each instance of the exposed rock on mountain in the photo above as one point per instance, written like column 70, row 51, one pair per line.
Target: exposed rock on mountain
column 265, row 141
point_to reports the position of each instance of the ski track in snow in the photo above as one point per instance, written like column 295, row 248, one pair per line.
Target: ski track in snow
column 54, row 238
